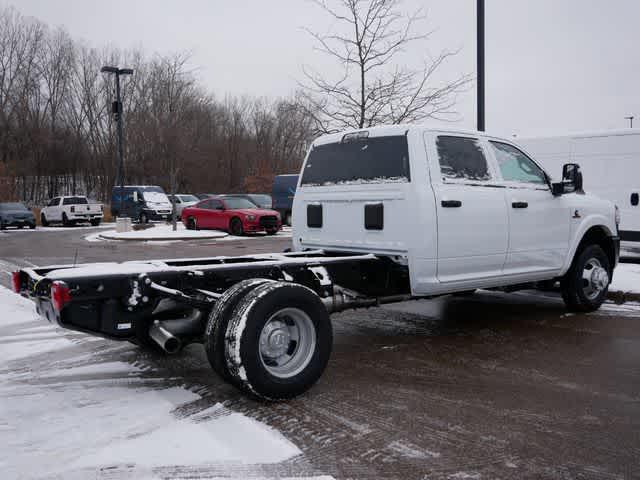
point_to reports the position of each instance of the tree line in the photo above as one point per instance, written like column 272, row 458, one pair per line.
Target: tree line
column 58, row 134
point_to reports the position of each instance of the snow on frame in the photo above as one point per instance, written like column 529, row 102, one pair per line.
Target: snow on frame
column 73, row 417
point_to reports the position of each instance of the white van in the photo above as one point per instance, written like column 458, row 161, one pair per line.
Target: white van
column 610, row 163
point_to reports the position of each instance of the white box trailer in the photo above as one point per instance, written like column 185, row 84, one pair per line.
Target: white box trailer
column 610, row 163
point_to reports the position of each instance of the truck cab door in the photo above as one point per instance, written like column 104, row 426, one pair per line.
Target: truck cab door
column 472, row 219
column 539, row 223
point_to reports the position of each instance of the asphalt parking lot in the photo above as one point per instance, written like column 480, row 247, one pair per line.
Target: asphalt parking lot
column 486, row 386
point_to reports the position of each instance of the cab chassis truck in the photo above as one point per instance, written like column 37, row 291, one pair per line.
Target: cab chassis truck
column 381, row 215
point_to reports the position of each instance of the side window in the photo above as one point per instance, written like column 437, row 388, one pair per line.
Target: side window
column 54, row 202
column 216, row 205
column 515, row 166
column 462, row 158
column 67, row 201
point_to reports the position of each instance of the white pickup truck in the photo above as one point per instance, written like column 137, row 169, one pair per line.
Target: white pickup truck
column 69, row 210
column 380, row 215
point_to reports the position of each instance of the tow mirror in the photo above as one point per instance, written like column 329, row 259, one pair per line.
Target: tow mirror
column 571, row 180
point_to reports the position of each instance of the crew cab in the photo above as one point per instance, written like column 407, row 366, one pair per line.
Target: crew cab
column 380, row 215
column 69, row 210
column 234, row 214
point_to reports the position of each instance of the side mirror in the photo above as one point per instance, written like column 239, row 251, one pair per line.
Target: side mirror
column 571, row 180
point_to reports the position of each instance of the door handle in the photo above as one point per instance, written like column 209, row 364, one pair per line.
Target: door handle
column 451, row 203
column 519, row 204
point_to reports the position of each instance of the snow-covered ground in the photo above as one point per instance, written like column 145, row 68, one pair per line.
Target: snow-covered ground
column 626, row 278
column 165, row 233
column 66, row 414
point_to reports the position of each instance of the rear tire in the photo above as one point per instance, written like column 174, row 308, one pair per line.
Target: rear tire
column 43, row 220
column 584, row 287
column 278, row 341
column 235, row 227
column 219, row 320
column 32, row 226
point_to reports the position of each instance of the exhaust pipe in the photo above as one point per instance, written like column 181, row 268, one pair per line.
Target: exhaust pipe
column 164, row 338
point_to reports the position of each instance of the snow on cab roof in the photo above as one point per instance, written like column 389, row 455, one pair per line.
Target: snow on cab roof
column 389, row 130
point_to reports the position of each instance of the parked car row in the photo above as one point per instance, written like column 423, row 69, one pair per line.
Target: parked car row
column 65, row 210
column 237, row 213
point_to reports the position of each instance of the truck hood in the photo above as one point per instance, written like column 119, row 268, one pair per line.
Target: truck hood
column 254, row 211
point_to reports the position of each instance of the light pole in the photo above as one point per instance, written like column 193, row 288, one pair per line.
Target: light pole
column 116, row 109
column 480, row 63
column 630, row 118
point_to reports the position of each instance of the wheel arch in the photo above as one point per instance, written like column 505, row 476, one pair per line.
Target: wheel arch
column 594, row 235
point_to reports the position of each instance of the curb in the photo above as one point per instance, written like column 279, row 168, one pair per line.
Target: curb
column 618, row 296
column 162, row 239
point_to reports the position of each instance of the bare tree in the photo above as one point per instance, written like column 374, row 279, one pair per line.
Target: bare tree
column 375, row 87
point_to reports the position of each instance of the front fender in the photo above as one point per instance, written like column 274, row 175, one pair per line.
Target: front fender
column 578, row 232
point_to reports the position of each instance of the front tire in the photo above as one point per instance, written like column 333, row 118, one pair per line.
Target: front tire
column 584, row 287
column 95, row 223
column 191, row 224
column 235, row 227
column 44, row 221
column 278, row 341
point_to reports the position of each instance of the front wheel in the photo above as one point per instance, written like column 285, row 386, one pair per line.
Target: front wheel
column 95, row 223
column 278, row 341
column 44, row 221
column 584, row 287
column 32, row 226
column 191, row 224
column 65, row 220
column 235, row 227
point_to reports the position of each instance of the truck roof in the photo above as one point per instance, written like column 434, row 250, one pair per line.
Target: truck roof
column 389, row 130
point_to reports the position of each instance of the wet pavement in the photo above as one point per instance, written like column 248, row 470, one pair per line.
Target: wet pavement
column 490, row 385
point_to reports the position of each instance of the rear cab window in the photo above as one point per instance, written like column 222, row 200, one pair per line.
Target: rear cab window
column 75, row 201
column 462, row 159
column 359, row 161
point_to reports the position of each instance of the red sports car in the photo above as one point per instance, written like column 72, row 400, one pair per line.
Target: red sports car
column 233, row 214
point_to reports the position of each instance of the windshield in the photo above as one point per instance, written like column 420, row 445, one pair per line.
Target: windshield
column 13, row 207
column 261, row 200
column 155, row 196
column 187, row 198
column 369, row 160
column 235, row 203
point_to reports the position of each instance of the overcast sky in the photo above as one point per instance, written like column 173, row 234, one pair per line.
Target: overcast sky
column 553, row 66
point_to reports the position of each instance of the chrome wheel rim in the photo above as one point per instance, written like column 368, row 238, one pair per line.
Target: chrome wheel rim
column 595, row 278
column 287, row 342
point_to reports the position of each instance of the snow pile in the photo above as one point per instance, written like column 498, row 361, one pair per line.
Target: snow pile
column 626, row 278
column 163, row 232
column 63, row 414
